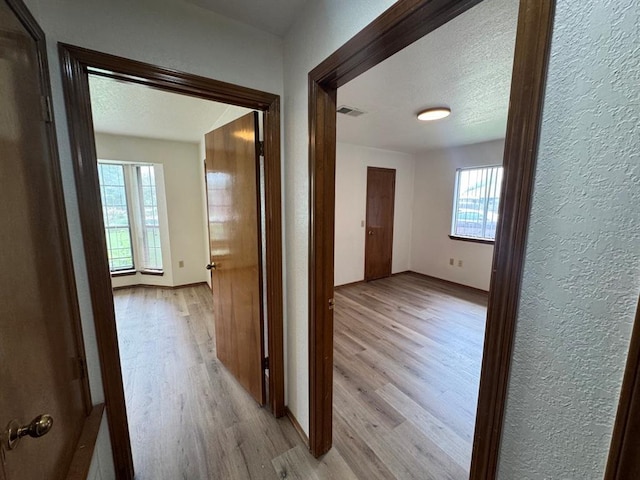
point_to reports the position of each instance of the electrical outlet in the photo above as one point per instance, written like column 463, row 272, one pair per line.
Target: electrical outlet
column 181, row 264
column 459, row 263
column 451, row 261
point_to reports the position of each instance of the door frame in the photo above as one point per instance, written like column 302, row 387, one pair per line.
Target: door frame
column 399, row 26
column 83, row 449
column 24, row 16
column 623, row 459
column 76, row 64
column 393, row 216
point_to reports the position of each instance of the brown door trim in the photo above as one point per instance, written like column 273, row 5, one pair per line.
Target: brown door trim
column 402, row 24
column 624, row 461
column 24, row 15
column 76, row 63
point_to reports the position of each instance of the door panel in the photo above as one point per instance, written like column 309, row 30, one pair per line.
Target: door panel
column 39, row 337
column 232, row 173
column 381, row 187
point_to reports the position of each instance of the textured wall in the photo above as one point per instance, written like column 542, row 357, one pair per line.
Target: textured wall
column 321, row 29
column 170, row 33
column 433, row 207
column 582, row 271
column 351, row 208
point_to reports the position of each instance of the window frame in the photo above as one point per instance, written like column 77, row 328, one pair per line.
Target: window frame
column 127, row 269
column 141, row 226
column 453, row 235
column 135, row 211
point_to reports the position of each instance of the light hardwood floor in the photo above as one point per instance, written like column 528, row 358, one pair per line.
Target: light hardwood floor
column 407, row 361
column 188, row 417
column 406, row 373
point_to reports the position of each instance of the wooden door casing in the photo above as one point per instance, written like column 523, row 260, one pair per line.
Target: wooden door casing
column 624, row 461
column 378, row 251
column 76, row 64
column 41, row 349
column 232, row 179
column 399, row 26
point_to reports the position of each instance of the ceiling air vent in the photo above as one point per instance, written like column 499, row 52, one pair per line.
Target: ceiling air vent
column 352, row 112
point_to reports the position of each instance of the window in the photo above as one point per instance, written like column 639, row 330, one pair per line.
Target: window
column 116, row 216
column 150, row 228
column 477, row 196
column 130, row 211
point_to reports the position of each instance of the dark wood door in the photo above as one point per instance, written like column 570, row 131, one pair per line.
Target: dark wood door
column 378, row 251
column 232, row 175
column 40, row 346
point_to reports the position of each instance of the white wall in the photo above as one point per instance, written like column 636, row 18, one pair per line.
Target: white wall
column 433, row 205
column 351, row 208
column 183, row 183
column 322, row 27
column 581, row 272
column 582, row 269
column 170, row 33
column 102, row 462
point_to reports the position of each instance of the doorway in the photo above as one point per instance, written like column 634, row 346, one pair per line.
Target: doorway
column 398, row 27
column 78, row 63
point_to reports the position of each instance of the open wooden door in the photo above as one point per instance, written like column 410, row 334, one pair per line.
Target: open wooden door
column 232, row 176
column 41, row 353
column 378, row 247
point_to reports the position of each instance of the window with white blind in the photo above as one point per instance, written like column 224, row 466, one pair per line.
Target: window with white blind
column 131, row 220
column 477, row 197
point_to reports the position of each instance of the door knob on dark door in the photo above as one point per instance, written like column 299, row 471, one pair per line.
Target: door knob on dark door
column 38, row 427
column 370, row 232
column 212, row 266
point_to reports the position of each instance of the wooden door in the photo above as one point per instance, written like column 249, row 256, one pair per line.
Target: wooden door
column 40, row 347
column 378, row 250
column 232, row 176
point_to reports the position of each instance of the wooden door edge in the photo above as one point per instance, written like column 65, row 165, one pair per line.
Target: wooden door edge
column 399, row 26
column 273, row 251
column 26, row 18
column 83, row 454
column 531, row 58
column 75, row 63
column 623, row 453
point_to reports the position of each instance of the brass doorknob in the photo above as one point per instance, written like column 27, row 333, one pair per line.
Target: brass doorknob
column 212, row 266
column 38, row 427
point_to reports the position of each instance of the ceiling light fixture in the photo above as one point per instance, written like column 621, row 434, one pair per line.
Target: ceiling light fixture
column 434, row 114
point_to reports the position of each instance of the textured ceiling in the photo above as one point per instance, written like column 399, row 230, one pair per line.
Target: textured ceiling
column 274, row 16
column 125, row 108
column 465, row 65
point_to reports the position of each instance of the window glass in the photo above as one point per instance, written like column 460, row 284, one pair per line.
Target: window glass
column 477, row 197
column 130, row 211
column 116, row 216
column 152, row 252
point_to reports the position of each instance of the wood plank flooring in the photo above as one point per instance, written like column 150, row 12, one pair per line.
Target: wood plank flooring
column 407, row 354
column 407, row 362
column 188, row 418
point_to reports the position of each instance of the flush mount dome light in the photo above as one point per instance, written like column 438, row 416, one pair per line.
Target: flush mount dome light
column 434, row 114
